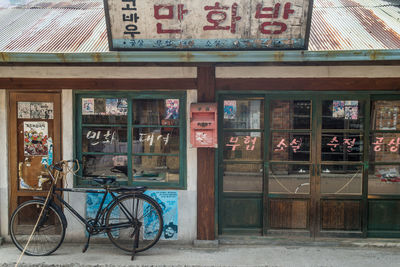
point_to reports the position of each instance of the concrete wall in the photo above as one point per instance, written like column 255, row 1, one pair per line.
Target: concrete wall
column 187, row 199
column 3, row 165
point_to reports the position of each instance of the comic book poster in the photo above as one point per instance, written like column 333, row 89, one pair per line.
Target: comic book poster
column 351, row 110
column 93, row 201
column 41, row 110
column 35, row 138
column 116, row 106
column 229, row 109
column 35, row 110
column 168, row 201
column 24, row 110
column 171, row 109
column 100, row 106
column 338, row 109
column 87, row 106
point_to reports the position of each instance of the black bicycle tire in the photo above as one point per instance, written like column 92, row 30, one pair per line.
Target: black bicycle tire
column 21, row 247
column 153, row 203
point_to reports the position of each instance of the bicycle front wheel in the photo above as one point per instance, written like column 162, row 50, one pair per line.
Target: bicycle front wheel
column 48, row 235
column 134, row 214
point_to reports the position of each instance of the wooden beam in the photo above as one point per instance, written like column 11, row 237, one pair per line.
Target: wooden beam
column 311, row 84
column 97, row 84
column 205, row 163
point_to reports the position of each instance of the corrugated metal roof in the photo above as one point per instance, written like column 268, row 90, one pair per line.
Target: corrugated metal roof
column 54, row 26
column 63, row 26
column 355, row 25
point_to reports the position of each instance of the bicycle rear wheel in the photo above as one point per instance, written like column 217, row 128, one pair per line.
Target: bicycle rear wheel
column 129, row 213
column 49, row 233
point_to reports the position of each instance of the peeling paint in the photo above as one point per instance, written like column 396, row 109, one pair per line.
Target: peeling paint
column 97, row 57
column 278, row 56
column 5, row 57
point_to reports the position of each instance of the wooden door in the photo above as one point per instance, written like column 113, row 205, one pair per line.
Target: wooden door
column 35, row 139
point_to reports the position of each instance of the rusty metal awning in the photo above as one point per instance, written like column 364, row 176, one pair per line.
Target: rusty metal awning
column 77, row 27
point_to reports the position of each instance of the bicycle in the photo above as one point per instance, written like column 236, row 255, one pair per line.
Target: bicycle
column 123, row 219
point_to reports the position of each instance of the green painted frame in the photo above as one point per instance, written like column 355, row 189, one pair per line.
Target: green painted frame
column 130, row 95
column 316, row 131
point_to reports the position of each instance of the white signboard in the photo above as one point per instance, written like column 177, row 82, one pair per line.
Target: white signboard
column 208, row 24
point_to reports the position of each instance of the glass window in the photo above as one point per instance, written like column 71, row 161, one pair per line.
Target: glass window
column 342, row 147
column 384, row 179
column 341, row 179
column 290, row 146
column 343, row 114
column 143, row 148
column 290, row 114
column 104, row 110
column 243, row 178
column 289, row 179
column 244, row 114
column 385, row 115
column 243, row 146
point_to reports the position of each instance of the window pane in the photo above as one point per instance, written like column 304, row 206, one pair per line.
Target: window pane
column 104, row 139
column 290, row 146
column 243, row 146
column 384, row 147
column 243, row 178
column 289, row 179
column 385, row 115
column 290, row 114
column 156, row 111
column 104, row 110
column 342, row 114
column 244, row 114
column 384, row 179
column 105, row 165
column 342, row 147
column 156, row 169
column 341, row 179
column 156, row 140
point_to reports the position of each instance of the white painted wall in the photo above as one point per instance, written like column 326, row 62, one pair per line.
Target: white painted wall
column 187, row 199
column 3, row 165
column 308, row 72
column 98, row 72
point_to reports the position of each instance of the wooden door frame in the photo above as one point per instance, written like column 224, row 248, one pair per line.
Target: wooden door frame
column 13, row 98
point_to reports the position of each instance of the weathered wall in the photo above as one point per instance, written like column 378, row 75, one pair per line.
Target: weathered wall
column 3, row 165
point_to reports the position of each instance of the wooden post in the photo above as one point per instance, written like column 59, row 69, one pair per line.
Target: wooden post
column 205, row 163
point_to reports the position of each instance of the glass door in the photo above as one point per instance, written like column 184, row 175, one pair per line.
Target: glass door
column 293, row 164
column 341, row 165
column 289, row 168
column 241, row 158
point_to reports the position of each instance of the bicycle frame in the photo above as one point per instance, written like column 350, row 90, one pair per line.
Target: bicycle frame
column 92, row 228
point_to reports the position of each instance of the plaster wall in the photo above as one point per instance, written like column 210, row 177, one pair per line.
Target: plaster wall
column 3, row 165
column 187, row 199
column 98, row 72
column 308, row 72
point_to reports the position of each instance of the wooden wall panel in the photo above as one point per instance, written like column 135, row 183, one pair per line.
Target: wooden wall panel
column 241, row 213
column 97, row 84
column 312, row 84
column 288, row 214
column 384, row 215
column 340, row 215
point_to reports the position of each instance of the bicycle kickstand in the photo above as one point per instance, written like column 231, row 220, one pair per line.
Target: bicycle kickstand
column 135, row 242
column 87, row 244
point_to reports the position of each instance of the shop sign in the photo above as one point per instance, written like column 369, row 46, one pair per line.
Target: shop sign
column 208, row 24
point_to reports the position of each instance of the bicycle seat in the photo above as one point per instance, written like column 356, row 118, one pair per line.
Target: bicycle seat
column 104, row 180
